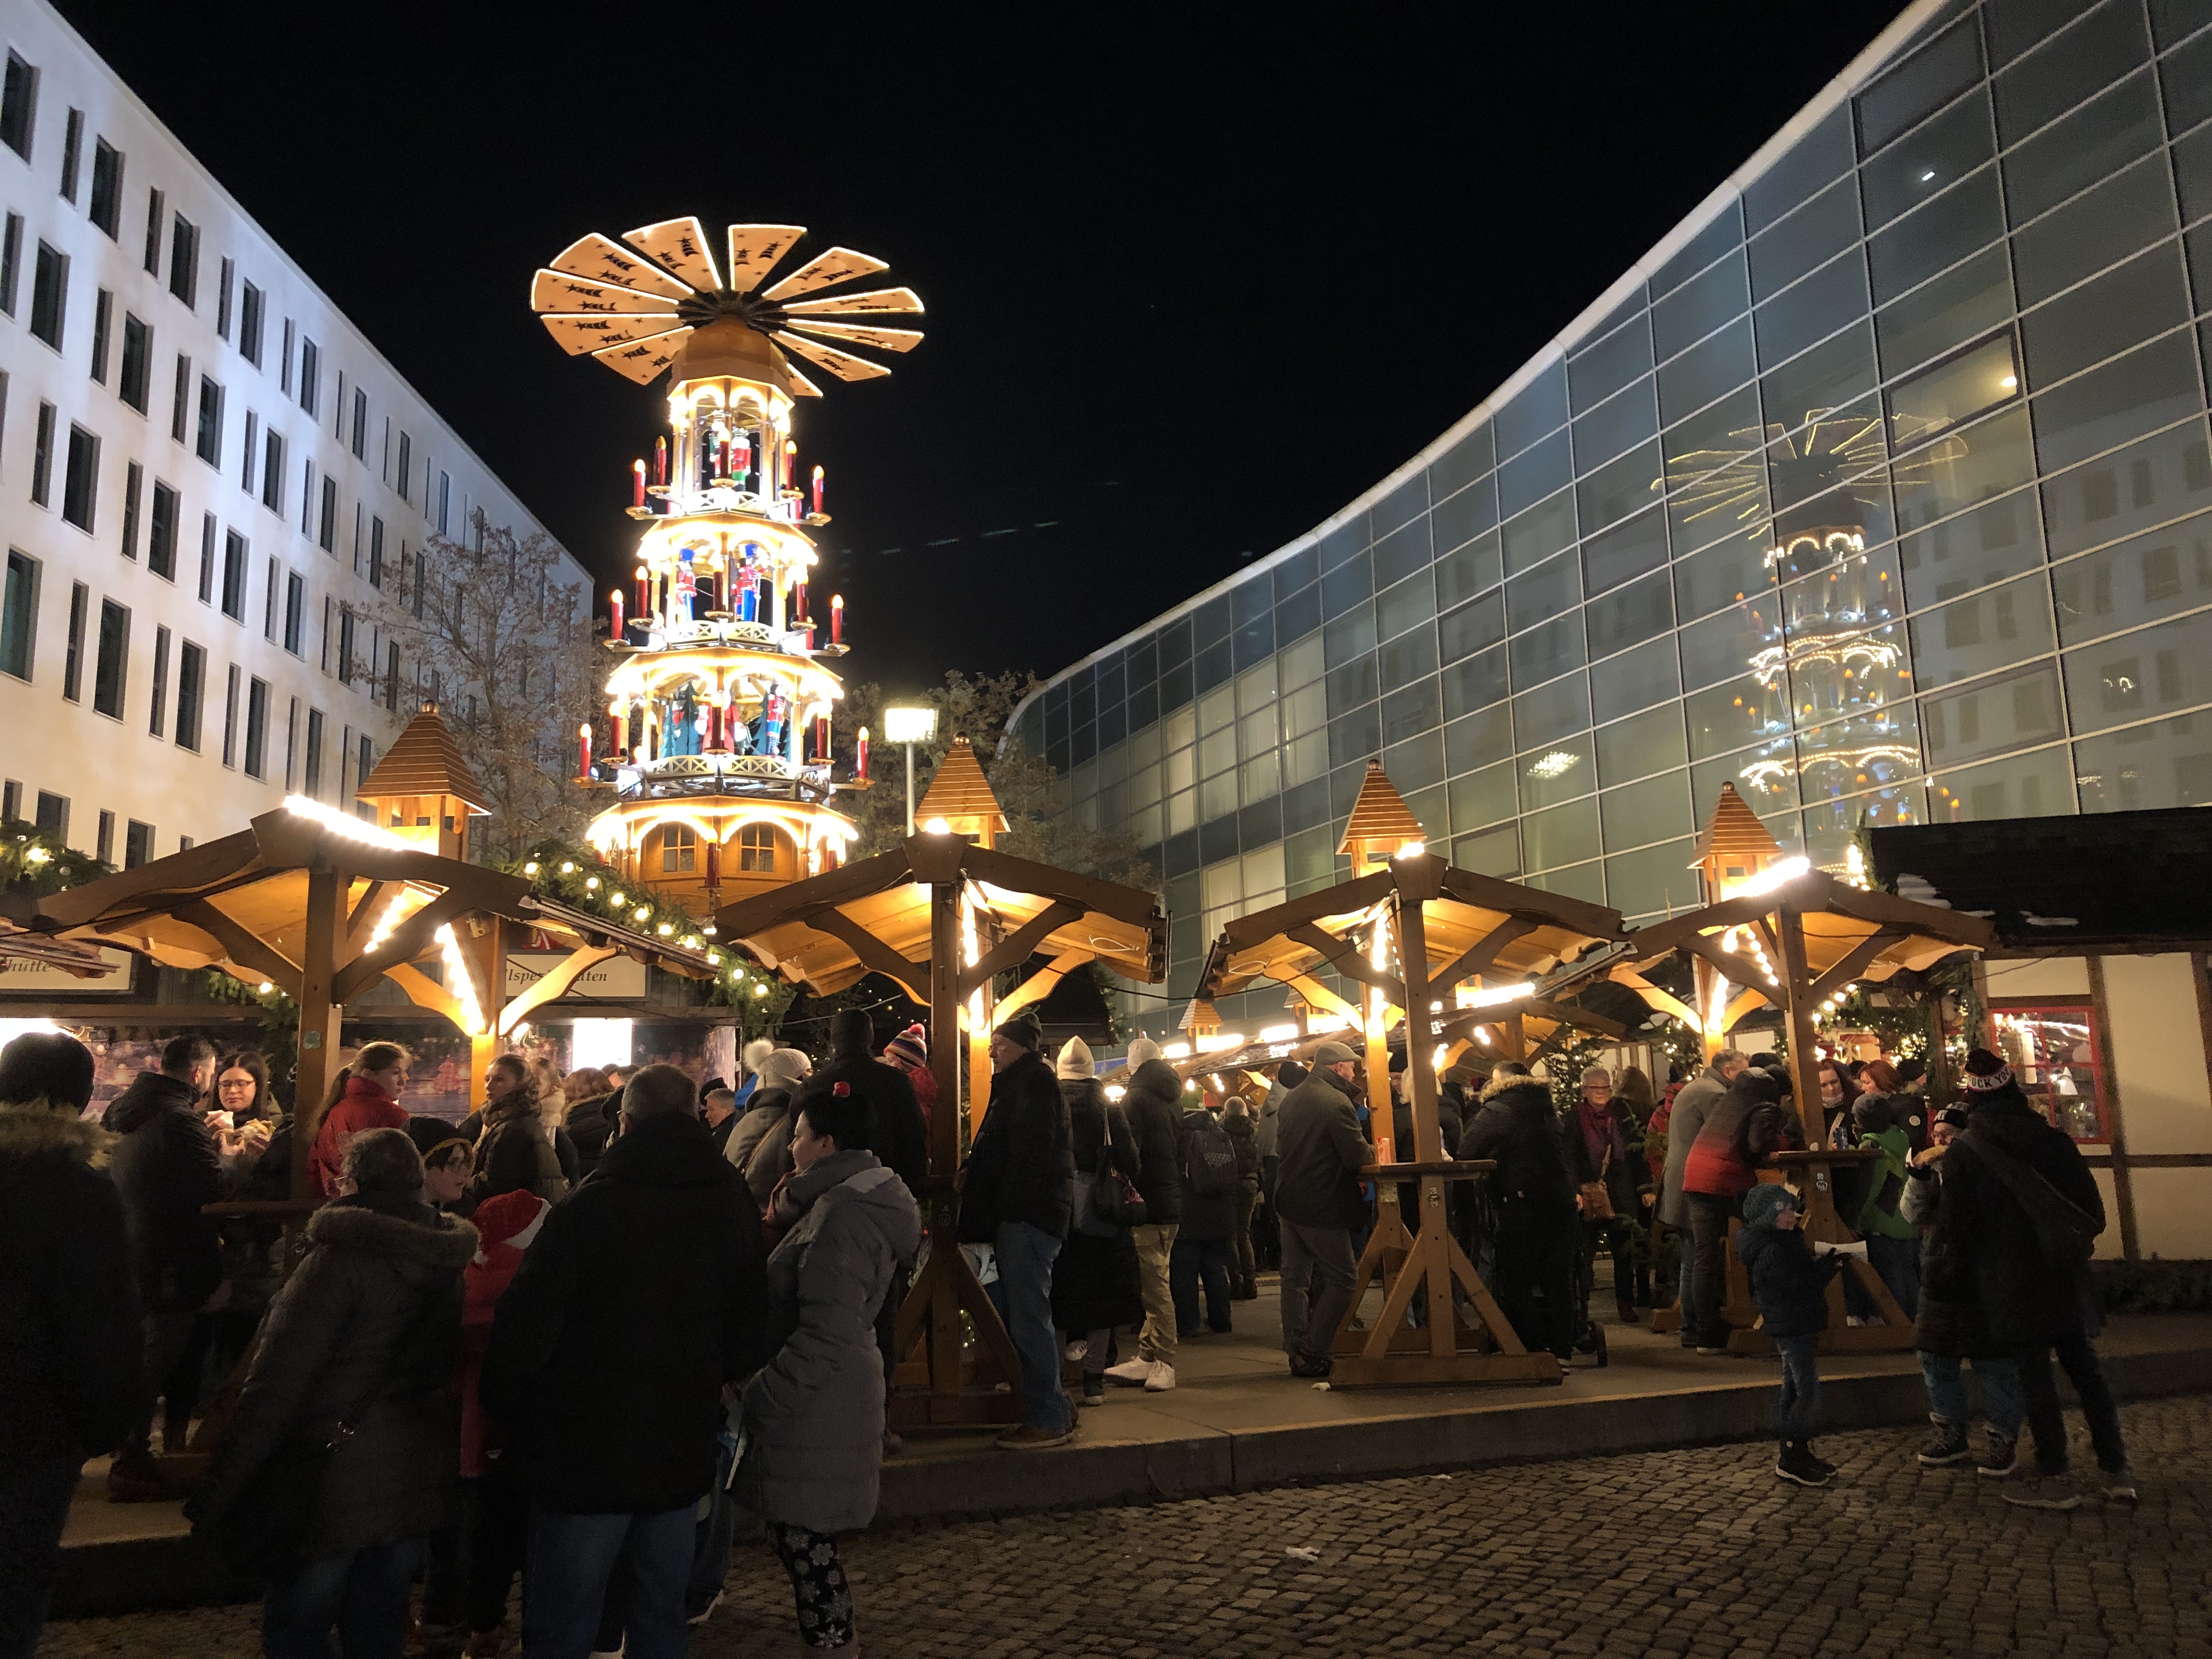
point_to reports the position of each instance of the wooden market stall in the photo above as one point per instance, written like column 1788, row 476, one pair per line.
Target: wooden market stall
column 1411, row 930
column 942, row 914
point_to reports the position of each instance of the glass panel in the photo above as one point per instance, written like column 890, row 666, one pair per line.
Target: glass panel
column 2165, row 764
column 1681, row 319
column 1647, row 811
column 1349, row 635
column 1819, row 305
column 1993, row 629
column 1618, row 489
column 1995, row 540
column 2154, row 670
column 1713, row 437
column 1411, row 602
column 1559, row 771
column 1547, row 651
column 1701, row 250
column 1299, row 615
column 2151, row 387
column 1300, row 663
column 2192, row 171
column 2054, row 1053
column 1602, row 369
column 1932, row 160
column 2161, row 477
column 1475, row 683
column 1540, row 532
column 1546, row 715
column 1479, row 739
column 1827, row 377
column 2068, row 155
column 1903, row 254
column 1291, row 573
column 1410, row 712
column 1541, row 593
column 1723, row 574
column 1723, row 645
column 2106, row 316
column 2124, row 213
column 2177, row 19
column 1952, row 391
column 1653, row 880
column 1805, row 467
column 1766, row 777
column 1401, row 506
column 1402, row 552
column 1724, row 717
column 1536, row 410
column 2136, row 581
column 1407, row 658
column 1643, row 743
column 2035, row 786
column 1949, row 310
column 1464, row 516
column 1462, row 463
column 1928, row 79
column 1629, row 615
column 1414, row 766
column 1475, row 626
column 1484, row 797
column 2188, row 79
column 1842, row 591
column 1349, row 583
column 2100, row 49
column 1581, row 881
column 1562, row 835
column 1534, row 474
column 1696, row 378
column 1968, row 466
column 1351, row 685
column 1809, row 237
column 1626, row 420
column 1831, row 827
column 1718, row 505
column 1809, row 163
column 2016, row 25
column 1988, row 716
column 1475, row 568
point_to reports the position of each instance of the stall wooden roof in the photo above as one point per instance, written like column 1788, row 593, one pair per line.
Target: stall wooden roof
column 959, row 793
column 424, row 759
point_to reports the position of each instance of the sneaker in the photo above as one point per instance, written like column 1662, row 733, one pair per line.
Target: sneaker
column 1094, row 1391
column 2047, row 1492
column 2001, row 1460
column 1705, row 1352
column 706, row 1612
column 1131, row 1371
column 1815, row 1459
column 1797, row 1464
column 2120, row 1486
column 1028, row 1437
column 1947, row 1446
column 1076, row 1350
column 1303, row 1366
column 1161, row 1379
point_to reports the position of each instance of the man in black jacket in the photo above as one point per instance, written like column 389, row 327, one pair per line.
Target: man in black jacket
column 644, row 1293
column 1318, row 1198
column 165, row 1170
column 1017, row 1190
column 1534, row 1197
column 1153, row 1105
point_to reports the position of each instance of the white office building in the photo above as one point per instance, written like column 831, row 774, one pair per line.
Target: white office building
column 211, row 483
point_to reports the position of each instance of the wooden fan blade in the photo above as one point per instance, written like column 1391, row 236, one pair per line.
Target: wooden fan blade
column 643, row 360
column 756, row 250
column 597, row 259
column 839, row 264
column 842, row 364
column 554, row 290
column 596, row 331
column 876, row 302
column 884, row 339
column 681, row 245
column 800, row 386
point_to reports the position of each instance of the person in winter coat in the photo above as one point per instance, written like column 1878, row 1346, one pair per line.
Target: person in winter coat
column 718, row 1111
column 760, row 1145
column 364, row 1334
column 1244, row 1132
column 1604, row 1147
column 1892, row 1243
column 1267, row 1241
column 1743, row 1129
column 1202, row 1246
column 642, row 1296
column 1153, row 1102
column 591, row 1106
column 516, row 1152
column 1686, row 1115
column 1318, row 1201
column 165, row 1168
column 898, row 1134
column 1094, row 1278
column 371, row 1100
column 1533, row 1200
column 751, row 1057
column 812, row 1416
column 69, row 1337
column 909, row 1052
column 1788, row 1287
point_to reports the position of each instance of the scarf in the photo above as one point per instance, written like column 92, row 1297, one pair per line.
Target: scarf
column 1600, row 1133
column 795, row 1194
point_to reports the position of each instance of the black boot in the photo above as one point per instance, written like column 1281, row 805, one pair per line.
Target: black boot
column 1797, row 1464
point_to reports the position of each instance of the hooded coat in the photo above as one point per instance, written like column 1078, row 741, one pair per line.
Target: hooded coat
column 1153, row 1102
column 814, row 1413
column 1094, row 1278
column 642, row 1296
column 591, row 1124
column 517, row 1154
column 165, row 1168
column 1322, row 1152
column 1686, row 1115
column 70, row 1345
column 372, row 1312
column 1022, row 1165
column 1788, row 1282
column 1742, row 1131
column 506, row 1227
column 1517, row 1126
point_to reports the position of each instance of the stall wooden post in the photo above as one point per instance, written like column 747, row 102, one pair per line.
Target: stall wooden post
column 318, row 1018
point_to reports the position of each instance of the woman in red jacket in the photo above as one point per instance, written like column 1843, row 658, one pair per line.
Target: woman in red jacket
column 371, row 1100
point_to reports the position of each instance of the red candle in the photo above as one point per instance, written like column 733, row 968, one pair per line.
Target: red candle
column 614, row 606
column 714, row 863
column 822, row 737
column 836, row 614
column 661, row 461
column 860, row 755
column 637, row 483
column 617, row 729
column 584, row 761
column 644, row 596
column 725, row 449
column 790, row 460
column 818, row 490
column 799, row 603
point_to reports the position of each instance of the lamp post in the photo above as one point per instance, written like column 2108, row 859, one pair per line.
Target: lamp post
column 910, row 727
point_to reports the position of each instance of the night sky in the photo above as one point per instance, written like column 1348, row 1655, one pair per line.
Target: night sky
column 1195, row 277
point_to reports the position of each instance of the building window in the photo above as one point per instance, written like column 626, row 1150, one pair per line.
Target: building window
column 81, row 477
column 249, row 324
column 406, row 466
column 230, row 715
column 392, row 676
column 107, row 209
column 162, row 531
column 19, row 616
column 272, row 472
column 103, row 312
column 19, row 99
column 376, row 553
column 11, row 261
column 312, row 776
column 180, row 402
column 72, row 153
column 208, row 444
column 359, row 424
column 134, row 486
column 207, row 558
column 73, row 659
column 311, row 377
column 156, row 213
column 137, row 844
column 756, row 849
column 158, row 708
column 270, row 590
column 42, row 457
column 185, row 259
column 326, row 532
column 257, row 728
column 234, row 576
column 53, row 815
column 2056, row 1051
column 345, row 646
column 295, row 612
column 225, row 274
column 679, row 850
column 307, row 494
column 445, row 501
column 138, row 363
column 367, row 765
column 191, row 694
column 285, row 363
column 250, row 449
column 103, row 843
column 49, row 294
column 111, row 668
column 291, row 743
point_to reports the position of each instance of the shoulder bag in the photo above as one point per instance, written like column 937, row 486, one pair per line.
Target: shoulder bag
column 1597, row 1201
column 1107, row 1204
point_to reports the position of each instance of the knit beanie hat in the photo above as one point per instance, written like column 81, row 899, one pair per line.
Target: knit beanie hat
column 1764, row 1201
column 786, row 1068
column 1075, row 1062
column 909, row 1047
column 512, row 1218
column 1023, row 1030
column 1986, row 1072
column 851, row 1031
column 1871, row 1114
column 1952, row 1118
column 1140, row 1050
column 756, row 1051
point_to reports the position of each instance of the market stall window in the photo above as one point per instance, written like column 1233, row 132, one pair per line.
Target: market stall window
column 2057, row 1051
column 679, row 850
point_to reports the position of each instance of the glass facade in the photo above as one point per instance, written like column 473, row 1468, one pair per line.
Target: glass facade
column 1880, row 489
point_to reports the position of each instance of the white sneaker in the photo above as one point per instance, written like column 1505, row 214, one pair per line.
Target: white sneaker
column 1077, row 1349
column 1132, row 1371
column 1161, row 1378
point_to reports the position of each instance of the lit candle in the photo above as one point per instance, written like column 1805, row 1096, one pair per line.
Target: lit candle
column 644, row 596
column 860, row 755
column 637, row 483
column 661, row 461
column 790, row 460
column 799, row 612
column 725, row 447
column 822, row 737
column 818, row 490
column 837, row 619
column 614, row 605
column 584, row 760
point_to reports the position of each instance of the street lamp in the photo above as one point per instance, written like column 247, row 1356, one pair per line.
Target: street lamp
column 910, row 727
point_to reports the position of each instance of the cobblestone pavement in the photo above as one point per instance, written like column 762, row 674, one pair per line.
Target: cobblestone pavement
column 1691, row 1552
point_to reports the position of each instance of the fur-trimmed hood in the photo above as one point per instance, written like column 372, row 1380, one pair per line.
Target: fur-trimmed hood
column 427, row 1237
column 36, row 1131
column 1500, row 1081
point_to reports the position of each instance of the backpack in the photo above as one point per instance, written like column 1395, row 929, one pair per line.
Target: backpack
column 1210, row 1162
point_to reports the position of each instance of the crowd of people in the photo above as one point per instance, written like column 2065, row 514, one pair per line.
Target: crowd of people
column 565, row 1340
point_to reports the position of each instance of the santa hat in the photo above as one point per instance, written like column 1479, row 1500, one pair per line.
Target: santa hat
column 512, row 1219
column 909, row 1047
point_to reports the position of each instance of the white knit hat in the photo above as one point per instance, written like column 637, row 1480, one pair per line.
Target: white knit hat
column 1142, row 1049
column 1075, row 1060
column 786, row 1068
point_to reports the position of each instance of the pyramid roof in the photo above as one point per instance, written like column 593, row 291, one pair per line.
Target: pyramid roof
column 959, row 790
column 1734, row 833
column 424, row 759
column 1380, row 814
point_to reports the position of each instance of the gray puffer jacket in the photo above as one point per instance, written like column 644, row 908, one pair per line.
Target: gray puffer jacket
column 374, row 1308
column 1694, row 1103
column 814, row 1414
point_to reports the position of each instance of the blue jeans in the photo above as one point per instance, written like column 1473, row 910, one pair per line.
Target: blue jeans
column 1800, row 1386
column 363, row 1594
column 571, row 1557
column 1193, row 1261
column 1025, row 1258
column 34, row 1501
column 2005, row 1404
column 2047, row 1418
column 711, row 1537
